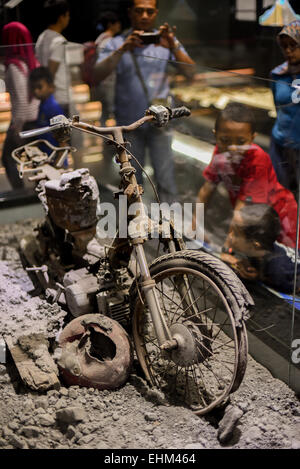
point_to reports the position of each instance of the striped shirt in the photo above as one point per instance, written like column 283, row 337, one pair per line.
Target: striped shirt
column 23, row 108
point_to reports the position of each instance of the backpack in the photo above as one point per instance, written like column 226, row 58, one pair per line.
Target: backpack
column 89, row 60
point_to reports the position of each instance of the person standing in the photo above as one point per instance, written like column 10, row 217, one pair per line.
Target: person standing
column 51, row 50
column 19, row 61
column 141, row 80
column 285, row 141
column 105, row 90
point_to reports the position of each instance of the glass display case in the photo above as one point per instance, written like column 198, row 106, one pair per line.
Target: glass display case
column 234, row 57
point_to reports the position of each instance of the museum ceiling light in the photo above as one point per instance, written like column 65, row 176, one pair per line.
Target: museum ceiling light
column 13, row 3
column 192, row 151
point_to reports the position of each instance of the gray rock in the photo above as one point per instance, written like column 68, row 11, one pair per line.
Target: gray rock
column 150, row 417
column 6, row 432
column 86, row 430
column 71, row 415
column 296, row 444
column 31, row 431
column 31, row 444
column 71, row 432
column 46, row 420
column 86, row 439
column 228, row 423
column 77, row 435
column 2, row 443
column 60, row 403
column 13, row 426
column 253, row 434
column 53, row 393
column 64, row 392
column 18, row 442
column 41, row 401
column 73, row 393
column 102, row 445
column 243, row 406
column 194, row 446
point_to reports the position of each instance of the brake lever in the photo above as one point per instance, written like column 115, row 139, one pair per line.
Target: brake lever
column 57, row 122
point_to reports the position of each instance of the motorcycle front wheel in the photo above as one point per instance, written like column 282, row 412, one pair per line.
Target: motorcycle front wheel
column 204, row 305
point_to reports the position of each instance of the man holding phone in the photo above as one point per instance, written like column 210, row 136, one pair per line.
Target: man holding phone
column 140, row 57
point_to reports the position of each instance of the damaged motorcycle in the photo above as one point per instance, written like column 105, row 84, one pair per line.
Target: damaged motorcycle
column 187, row 309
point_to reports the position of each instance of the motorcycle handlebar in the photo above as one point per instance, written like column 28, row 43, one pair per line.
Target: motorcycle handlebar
column 160, row 114
column 40, row 131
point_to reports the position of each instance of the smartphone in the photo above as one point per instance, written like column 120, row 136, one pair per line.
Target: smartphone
column 150, row 38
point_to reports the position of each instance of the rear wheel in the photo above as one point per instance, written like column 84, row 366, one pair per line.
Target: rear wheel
column 209, row 360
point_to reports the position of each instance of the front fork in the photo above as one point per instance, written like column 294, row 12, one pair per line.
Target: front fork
column 148, row 287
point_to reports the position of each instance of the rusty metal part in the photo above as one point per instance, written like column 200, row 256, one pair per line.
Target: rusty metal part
column 80, row 294
column 96, row 352
column 169, row 345
column 39, row 374
column 73, row 200
column 32, row 160
column 119, row 252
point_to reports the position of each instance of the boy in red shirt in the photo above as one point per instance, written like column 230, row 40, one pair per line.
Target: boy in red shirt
column 247, row 171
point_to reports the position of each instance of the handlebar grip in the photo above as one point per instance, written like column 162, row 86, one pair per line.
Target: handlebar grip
column 180, row 112
column 40, row 131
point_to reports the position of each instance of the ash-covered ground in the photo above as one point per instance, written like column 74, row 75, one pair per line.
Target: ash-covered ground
column 263, row 413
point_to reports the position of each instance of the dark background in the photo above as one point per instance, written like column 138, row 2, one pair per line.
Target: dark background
column 203, row 26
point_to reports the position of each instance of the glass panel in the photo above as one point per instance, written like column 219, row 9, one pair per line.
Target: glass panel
column 233, row 64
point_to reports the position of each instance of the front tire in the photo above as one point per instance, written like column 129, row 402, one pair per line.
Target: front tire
column 204, row 305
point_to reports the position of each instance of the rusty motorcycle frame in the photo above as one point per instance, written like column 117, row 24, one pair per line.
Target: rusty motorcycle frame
column 187, row 309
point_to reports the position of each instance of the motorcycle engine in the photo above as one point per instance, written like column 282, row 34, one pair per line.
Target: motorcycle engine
column 104, row 292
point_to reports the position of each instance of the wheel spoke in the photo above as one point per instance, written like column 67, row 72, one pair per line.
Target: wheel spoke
column 199, row 297
column 183, row 298
column 216, row 309
column 219, row 361
column 174, row 289
column 223, row 345
column 196, row 314
column 212, row 354
column 163, row 302
column 166, row 295
column 224, row 324
column 218, row 378
column 202, row 379
column 199, row 375
column 217, row 341
column 149, row 341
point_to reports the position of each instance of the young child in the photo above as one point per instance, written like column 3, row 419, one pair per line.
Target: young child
column 247, row 171
column 42, row 87
column 253, row 251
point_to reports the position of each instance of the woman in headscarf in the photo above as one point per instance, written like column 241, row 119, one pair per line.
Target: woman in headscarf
column 19, row 61
column 285, row 143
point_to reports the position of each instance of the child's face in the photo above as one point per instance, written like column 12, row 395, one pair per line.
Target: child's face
column 41, row 89
column 234, row 137
column 290, row 49
column 239, row 242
